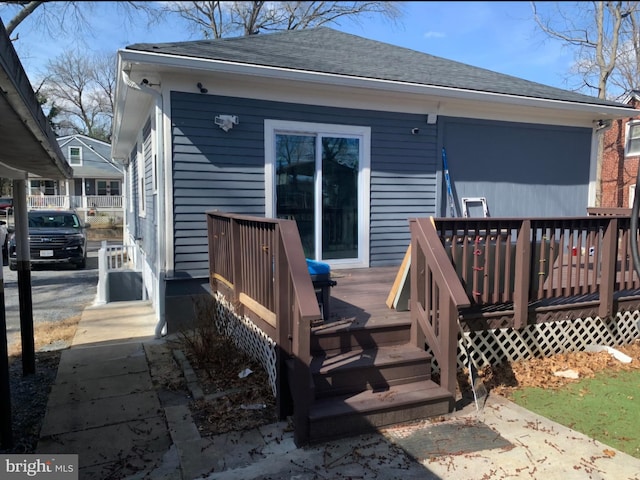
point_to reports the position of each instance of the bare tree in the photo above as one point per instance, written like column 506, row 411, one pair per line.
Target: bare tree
column 81, row 88
column 72, row 18
column 607, row 50
column 215, row 19
column 599, row 32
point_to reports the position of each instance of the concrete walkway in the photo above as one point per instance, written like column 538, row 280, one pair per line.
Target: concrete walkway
column 105, row 407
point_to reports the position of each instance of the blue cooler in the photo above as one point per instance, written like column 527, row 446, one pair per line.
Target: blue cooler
column 321, row 277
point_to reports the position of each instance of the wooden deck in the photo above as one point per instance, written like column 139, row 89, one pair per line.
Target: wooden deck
column 360, row 296
column 476, row 273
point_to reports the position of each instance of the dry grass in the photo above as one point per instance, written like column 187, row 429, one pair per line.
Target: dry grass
column 49, row 333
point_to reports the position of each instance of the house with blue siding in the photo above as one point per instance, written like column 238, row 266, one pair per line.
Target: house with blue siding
column 343, row 134
column 95, row 190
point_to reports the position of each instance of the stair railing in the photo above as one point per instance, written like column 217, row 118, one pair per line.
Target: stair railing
column 259, row 264
column 437, row 295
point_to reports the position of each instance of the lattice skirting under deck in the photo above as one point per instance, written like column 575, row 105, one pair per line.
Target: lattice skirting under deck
column 487, row 347
column 492, row 347
column 247, row 337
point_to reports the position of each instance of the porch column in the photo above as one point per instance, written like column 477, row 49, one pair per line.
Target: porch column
column 24, row 276
column 68, row 193
column 84, row 196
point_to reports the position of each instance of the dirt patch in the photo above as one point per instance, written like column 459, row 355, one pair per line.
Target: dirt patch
column 98, row 233
column 237, row 394
column 29, row 397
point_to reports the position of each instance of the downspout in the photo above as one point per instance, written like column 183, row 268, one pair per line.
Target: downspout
column 161, row 240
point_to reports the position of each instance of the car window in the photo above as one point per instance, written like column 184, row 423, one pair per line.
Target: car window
column 53, row 221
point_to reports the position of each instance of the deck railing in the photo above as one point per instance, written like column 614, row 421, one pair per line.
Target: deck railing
column 470, row 268
column 524, row 264
column 259, row 264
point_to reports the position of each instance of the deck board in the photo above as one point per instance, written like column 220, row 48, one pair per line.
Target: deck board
column 360, row 296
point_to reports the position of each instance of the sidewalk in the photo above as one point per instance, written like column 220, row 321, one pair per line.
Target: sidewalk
column 105, row 408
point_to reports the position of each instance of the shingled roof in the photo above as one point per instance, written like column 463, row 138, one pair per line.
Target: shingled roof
column 330, row 51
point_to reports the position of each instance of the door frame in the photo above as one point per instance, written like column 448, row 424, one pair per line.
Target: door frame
column 272, row 127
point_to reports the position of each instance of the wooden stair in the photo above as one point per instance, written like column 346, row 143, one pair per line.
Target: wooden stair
column 367, row 376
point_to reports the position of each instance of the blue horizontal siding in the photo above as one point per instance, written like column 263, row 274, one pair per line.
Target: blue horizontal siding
column 221, row 170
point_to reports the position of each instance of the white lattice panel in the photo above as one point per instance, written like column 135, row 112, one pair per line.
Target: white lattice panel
column 247, row 337
column 491, row 347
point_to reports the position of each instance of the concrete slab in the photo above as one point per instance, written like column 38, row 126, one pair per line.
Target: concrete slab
column 61, row 419
column 99, row 352
column 361, row 457
column 98, row 370
column 123, row 441
column 95, row 388
column 104, row 323
column 541, row 450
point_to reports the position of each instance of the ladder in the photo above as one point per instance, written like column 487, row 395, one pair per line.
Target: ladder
column 468, row 200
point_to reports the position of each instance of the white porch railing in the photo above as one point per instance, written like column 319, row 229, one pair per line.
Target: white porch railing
column 102, row 201
column 116, row 258
column 89, row 202
column 48, row 201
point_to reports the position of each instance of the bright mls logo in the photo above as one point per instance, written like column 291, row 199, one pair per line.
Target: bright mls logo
column 53, row 467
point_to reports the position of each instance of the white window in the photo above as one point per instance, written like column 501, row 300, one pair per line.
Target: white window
column 75, row 156
column 632, row 195
column 318, row 175
column 632, row 145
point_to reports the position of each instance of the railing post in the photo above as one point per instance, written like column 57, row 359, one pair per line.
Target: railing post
column 417, row 274
column 284, row 308
column 236, row 264
column 449, row 334
column 608, row 269
column 522, row 276
column 102, row 274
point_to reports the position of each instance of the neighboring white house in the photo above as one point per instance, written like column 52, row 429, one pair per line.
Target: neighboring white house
column 95, row 190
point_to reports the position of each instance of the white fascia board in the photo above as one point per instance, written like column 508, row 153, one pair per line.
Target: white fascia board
column 9, row 172
column 593, row 111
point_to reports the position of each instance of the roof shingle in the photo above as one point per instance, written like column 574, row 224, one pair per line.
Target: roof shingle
column 330, row 51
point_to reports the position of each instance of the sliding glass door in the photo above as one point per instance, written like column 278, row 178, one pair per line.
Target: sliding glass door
column 318, row 181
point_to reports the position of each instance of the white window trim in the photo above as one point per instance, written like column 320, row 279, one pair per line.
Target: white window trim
column 271, row 127
column 627, row 138
column 80, row 155
column 142, row 194
column 130, row 184
column 632, row 195
column 154, row 150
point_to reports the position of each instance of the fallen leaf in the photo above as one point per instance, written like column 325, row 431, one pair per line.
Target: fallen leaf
column 609, row 453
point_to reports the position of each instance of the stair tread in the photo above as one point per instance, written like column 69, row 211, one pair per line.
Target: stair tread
column 371, row 401
column 333, row 327
column 380, row 357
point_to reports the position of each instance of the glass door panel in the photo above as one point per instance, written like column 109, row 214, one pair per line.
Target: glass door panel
column 340, row 166
column 295, row 180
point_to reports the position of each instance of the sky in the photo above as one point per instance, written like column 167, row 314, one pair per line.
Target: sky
column 499, row 36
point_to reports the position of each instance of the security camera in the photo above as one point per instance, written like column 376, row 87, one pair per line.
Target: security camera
column 415, row 131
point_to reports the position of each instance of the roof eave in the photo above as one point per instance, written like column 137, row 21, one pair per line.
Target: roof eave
column 132, row 57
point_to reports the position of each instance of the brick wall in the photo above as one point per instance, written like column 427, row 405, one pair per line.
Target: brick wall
column 617, row 172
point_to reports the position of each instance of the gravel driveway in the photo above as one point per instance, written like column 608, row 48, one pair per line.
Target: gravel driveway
column 58, row 293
